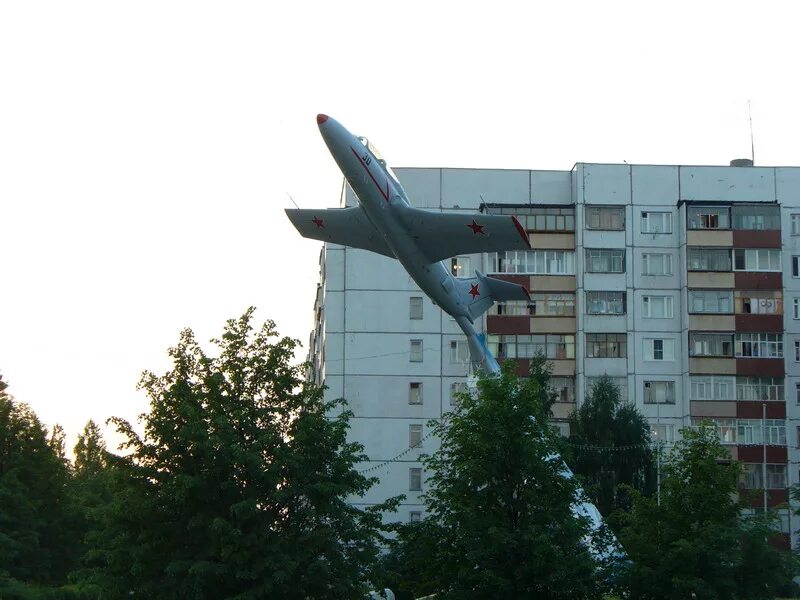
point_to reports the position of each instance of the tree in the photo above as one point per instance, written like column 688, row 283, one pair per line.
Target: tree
column 34, row 533
column 239, row 486
column 90, row 490
column 696, row 543
column 500, row 515
column 611, row 448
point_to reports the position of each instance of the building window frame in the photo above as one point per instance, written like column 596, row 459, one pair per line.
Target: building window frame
column 656, row 222
column 606, row 345
column 651, row 260
column 650, row 305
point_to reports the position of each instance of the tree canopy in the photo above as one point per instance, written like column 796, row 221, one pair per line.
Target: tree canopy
column 611, row 448
column 239, row 486
column 695, row 542
column 500, row 523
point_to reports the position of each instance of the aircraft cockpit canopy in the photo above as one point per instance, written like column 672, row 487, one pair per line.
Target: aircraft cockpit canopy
column 377, row 156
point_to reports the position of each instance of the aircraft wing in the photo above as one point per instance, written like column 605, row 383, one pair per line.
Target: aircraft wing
column 444, row 235
column 345, row 226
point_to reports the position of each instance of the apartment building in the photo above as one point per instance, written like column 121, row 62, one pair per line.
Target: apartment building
column 680, row 282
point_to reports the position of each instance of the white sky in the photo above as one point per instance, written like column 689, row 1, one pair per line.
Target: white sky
column 146, row 148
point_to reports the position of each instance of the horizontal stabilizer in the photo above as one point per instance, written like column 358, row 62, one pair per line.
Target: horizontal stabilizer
column 345, row 226
column 482, row 292
column 503, row 290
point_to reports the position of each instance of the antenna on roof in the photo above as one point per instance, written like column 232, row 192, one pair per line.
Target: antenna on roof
column 752, row 144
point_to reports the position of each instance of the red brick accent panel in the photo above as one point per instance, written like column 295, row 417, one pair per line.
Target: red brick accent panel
column 766, row 323
column 757, row 239
column 753, row 410
column 754, row 367
column 755, row 454
column 758, row 281
column 523, row 367
column 502, row 324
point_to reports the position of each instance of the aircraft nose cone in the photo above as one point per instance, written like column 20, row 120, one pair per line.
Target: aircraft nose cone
column 321, row 119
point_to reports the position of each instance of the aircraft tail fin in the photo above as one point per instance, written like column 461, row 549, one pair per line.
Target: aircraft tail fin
column 489, row 290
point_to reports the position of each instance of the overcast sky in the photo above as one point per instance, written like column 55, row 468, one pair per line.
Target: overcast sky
column 147, row 148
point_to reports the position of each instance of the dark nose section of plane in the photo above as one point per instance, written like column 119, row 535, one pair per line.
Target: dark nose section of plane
column 321, row 119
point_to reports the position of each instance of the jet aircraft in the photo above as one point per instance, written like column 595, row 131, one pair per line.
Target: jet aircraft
column 385, row 222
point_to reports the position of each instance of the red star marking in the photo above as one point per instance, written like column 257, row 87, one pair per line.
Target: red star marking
column 473, row 291
column 318, row 222
column 476, row 228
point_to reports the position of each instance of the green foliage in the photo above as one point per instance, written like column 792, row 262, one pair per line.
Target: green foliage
column 602, row 420
column 696, row 543
column 500, row 523
column 238, row 488
column 34, row 521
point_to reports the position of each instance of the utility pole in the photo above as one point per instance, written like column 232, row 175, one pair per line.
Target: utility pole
column 764, row 449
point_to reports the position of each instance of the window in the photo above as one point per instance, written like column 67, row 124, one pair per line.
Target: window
column 460, row 266
column 657, row 307
column 605, row 217
column 415, row 352
column 659, row 349
column 756, row 217
column 562, row 427
column 776, row 477
column 753, row 473
column 795, row 223
column 707, row 217
column 564, row 388
column 711, row 344
column 757, row 259
column 796, row 308
column 748, row 431
column 553, row 304
column 414, row 516
column 708, row 259
column 415, row 307
column 459, row 352
column 599, row 260
column 415, row 479
column 797, row 393
column 662, row 434
column 605, row 303
column 764, row 302
column 656, row 222
column 553, row 346
column 796, row 266
column 656, row 263
column 726, row 428
column 659, row 392
column 415, row 392
column 414, row 436
column 534, row 262
column 712, row 387
column 759, row 345
column 797, row 351
column 620, row 382
column 751, row 477
column 775, row 432
column 541, row 305
column 543, row 218
column 710, row 301
column 759, row 388
column 456, row 389
column 606, row 345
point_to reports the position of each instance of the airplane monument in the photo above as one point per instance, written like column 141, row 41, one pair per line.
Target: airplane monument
column 385, row 222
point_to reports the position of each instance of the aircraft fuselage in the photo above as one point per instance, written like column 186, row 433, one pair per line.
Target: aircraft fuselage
column 382, row 197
